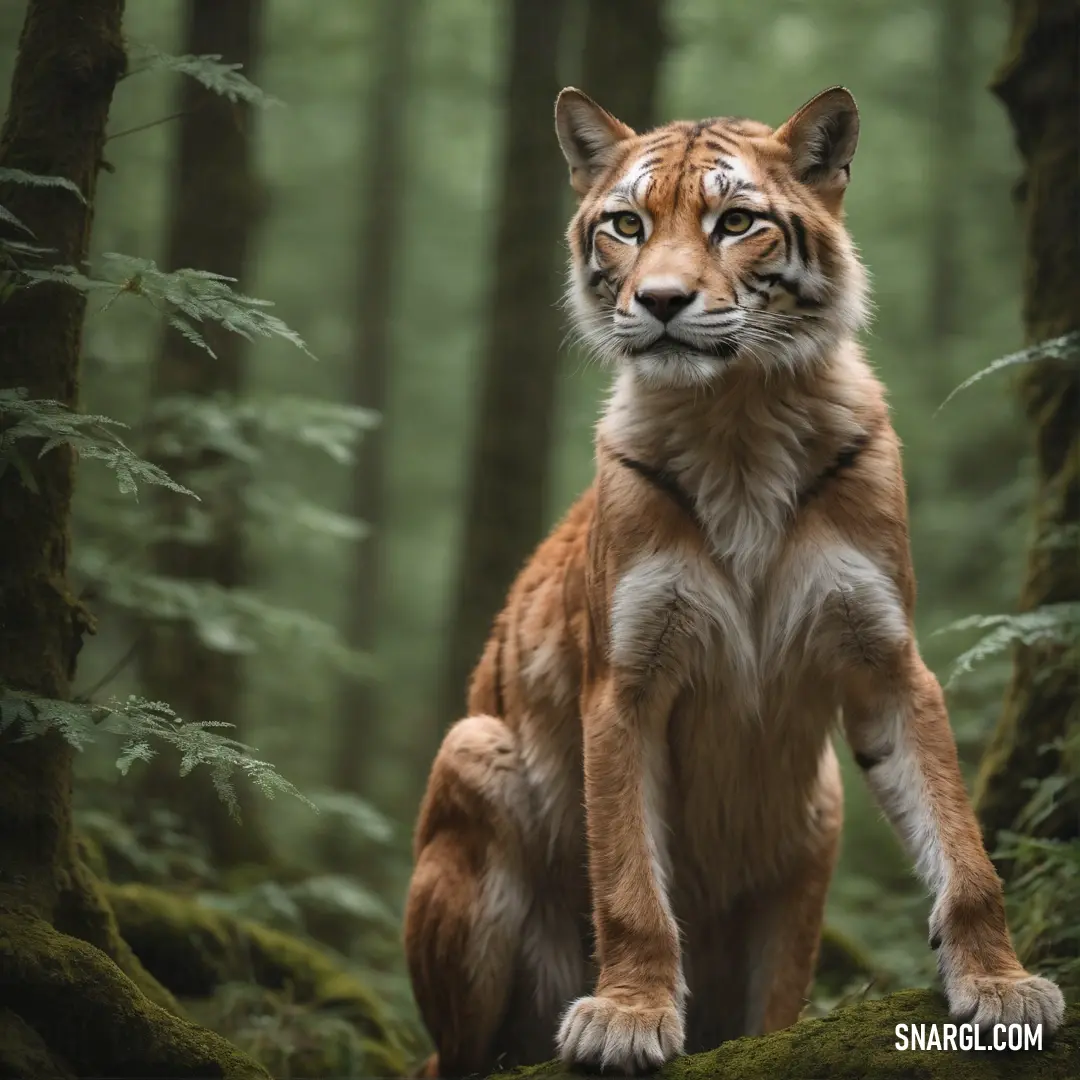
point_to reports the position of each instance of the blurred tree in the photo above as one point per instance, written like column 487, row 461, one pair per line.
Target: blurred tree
column 950, row 125
column 509, row 463
column 1039, row 85
column 216, row 199
column 379, row 246
column 625, row 42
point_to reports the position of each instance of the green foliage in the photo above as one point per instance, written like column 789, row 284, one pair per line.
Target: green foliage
column 1045, row 889
column 91, row 436
column 209, row 70
column 225, row 620
column 361, row 820
column 1044, row 893
column 27, row 179
column 296, row 522
column 184, row 297
column 140, row 723
column 187, row 425
column 152, row 847
column 1058, row 623
column 1066, row 348
column 290, row 1038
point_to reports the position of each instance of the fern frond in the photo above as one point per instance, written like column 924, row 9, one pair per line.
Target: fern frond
column 28, row 179
column 187, row 425
column 139, row 722
column 329, row 426
column 19, row 247
column 8, row 218
column 1051, row 623
column 1066, row 347
column 90, row 436
column 1061, row 538
column 185, row 297
column 225, row 620
column 207, row 70
column 68, row 275
column 295, row 520
column 358, row 815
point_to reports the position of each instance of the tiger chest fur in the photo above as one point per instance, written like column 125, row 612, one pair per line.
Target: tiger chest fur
column 744, row 647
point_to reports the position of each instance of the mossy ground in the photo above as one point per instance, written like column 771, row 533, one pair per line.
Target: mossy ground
column 67, row 1010
column 858, row 1043
column 277, row 996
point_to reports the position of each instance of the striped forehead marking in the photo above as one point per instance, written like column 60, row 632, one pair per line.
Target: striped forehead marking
column 728, row 178
column 635, row 183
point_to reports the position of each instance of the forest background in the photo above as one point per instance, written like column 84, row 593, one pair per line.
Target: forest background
column 395, row 188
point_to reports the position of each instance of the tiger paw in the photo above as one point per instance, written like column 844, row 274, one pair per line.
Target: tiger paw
column 620, row 1037
column 987, row 1000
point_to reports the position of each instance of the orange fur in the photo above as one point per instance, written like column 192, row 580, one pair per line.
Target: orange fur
column 624, row 849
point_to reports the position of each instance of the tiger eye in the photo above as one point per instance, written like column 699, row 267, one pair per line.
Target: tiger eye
column 628, row 225
column 735, row 222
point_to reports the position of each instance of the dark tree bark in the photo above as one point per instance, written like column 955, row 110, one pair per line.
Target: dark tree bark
column 60, row 96
column 378, row 246
column 625, row 41
column 509, row 463
column 65, row 1005
column 1039, row 85
column 215, row 211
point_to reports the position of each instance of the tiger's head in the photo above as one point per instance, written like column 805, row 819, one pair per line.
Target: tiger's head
column 699, row 246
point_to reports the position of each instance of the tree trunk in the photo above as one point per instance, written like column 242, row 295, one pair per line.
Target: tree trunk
column 60, row 95
column 378, row 245
column 951, row 123
column 625, row 42
column 509, row 463
column 1039, row 85
column 63, row 1003
column 215, row 210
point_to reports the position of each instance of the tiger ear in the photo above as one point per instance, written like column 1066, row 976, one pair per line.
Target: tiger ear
column 822, row 137
column 587, row 135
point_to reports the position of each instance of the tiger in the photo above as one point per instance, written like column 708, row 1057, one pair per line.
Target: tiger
column 624, row 847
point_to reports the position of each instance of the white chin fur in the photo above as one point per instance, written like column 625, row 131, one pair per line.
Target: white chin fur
column 677, row 370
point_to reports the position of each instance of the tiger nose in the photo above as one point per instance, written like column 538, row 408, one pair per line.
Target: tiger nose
column 664, row 304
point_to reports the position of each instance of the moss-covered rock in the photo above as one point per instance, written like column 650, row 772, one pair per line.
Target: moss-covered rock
column 858, row 1043
column 67, row 1010
column 200, row 953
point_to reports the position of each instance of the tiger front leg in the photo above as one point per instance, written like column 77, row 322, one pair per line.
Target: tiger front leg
column 634, row 1020
column 898, row 726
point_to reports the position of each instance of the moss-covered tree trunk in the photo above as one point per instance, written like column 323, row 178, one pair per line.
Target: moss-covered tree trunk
column 508, row 466
column 60, row 95
column 1040, row 87
column 378, row 244
column 625, row 41
column 66, row 1008
column 215, row 210
column 860, row 1043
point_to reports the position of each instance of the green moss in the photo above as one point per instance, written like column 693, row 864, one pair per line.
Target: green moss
column 858, row 1043
column 23, row 1052
column 199, row 953
column 84, row 912
column 72, row 1011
